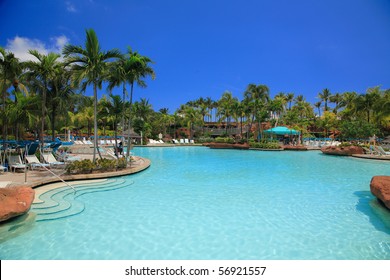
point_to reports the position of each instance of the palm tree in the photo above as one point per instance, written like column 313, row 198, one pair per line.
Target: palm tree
column 325, row 96
column 42, row 72
column 114, row 108
column 136, row 69
column 89, row 66
column 25, row 111
column 289, row 99
column 336, row 99
column 226, row 104
column 10, row 69
column 367, row 102
column 256, row 95
column 59, row 95
column 318, row 106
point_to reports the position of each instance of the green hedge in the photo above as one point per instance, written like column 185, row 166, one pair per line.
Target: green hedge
column 264, row 145
column 86, row 166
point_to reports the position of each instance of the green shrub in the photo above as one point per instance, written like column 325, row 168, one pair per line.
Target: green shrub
column 80, row 166
column 267, row 145
column 122, row 163
column 105, row 164
column 224, row 140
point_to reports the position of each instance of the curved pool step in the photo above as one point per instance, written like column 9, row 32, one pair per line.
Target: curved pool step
column 51, row 198
column 63, row 203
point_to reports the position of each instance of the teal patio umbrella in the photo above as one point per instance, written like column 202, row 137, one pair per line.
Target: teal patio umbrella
column 281, row 130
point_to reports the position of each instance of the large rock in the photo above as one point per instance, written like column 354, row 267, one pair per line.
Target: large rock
column 380, row 187
column 342, row 151
column 15, row 201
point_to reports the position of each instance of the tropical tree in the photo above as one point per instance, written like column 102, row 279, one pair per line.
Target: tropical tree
column 318, row 106
column 10, row 70
column 132, row 68
column 289, row 99
column 256, row 96
column 225, row 108
column 60, row 93
column 368, row 102
column 114, row 108
column 42, row 72
column 325, row 96
column 89, row 66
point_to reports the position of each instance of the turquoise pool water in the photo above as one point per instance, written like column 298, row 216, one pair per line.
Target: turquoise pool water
column 197, row 203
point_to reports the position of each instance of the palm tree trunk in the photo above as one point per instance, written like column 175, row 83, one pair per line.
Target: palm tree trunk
column 4, row 132
column 129, row 124
column 43, row 114
column 123, row 109
column 95, row 127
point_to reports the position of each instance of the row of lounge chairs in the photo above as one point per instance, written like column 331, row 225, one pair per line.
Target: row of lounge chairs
column 377, row 150
column 183, row 141
column 85, row 142
column 15, row 162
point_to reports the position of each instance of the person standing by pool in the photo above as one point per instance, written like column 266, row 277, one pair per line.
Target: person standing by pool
column 120, row 148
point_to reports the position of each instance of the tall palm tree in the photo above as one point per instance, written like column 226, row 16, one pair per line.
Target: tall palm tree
column 318, row 106
column 137, row 68
column 226, row 104
column 42, row 71
column 10, row 69
column 325, row 96
column 289, row 99
column 114, row 108
column 89, row 66
column 257, row 95
column 59, row 96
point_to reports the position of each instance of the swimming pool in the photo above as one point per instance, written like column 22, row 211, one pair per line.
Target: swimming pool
column 198, row 203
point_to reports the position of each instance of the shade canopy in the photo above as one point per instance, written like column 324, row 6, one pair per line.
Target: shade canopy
column 281, row 130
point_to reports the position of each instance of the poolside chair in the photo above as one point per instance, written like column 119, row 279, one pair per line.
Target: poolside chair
column 186, row 141
column 3, row 168
column 181, row 141
column 382, row 152
column 15, row 163
column 50, row 159
column 34, row 163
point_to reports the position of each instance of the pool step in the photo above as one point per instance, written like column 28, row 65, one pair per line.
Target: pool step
column 62, row 202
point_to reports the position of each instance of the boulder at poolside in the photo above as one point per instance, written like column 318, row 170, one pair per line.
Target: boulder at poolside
column 380, row 187
column 342, row 151
column 15, row 201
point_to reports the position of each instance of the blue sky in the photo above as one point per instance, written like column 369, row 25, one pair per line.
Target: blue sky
column 202, row 48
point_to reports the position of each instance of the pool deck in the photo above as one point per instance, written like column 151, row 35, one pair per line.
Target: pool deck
column 375, row 157
column 39, row 178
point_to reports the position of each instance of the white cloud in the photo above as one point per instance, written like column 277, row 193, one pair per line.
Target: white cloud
column 70, row 7
column 21, row 45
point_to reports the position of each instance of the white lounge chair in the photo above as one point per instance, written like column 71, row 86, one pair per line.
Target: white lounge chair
column 3, row 168
column 50, row 159
column 186, row 141
column 192, row 141
column 34, row 163
column 382, row 152
column 181, row 141
column 15, row 162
